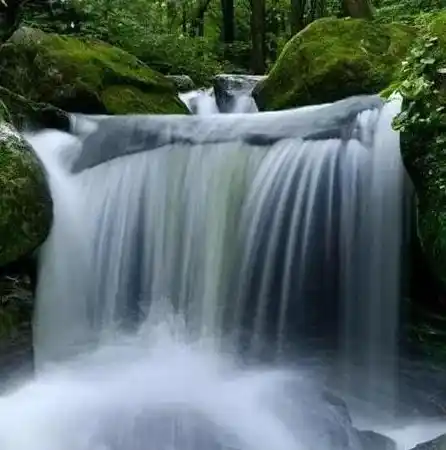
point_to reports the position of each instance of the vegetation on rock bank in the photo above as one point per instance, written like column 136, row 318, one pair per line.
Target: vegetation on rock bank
column 422, row 124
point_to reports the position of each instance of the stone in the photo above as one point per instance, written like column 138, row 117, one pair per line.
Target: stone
column 25, row 201
column 332, row 59
column 84, row 76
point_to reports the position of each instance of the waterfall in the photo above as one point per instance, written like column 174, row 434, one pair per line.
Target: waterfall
column 265, row 233
column 189, row 254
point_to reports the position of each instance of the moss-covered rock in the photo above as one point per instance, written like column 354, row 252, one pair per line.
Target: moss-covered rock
column 332, row 59
column 25, row 202
column 26, row 114
column 83, row 75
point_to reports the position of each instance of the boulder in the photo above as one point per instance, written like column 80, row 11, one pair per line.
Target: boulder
column 230, row 87
column 25, row 201
column 80, row 75
column 332, row 59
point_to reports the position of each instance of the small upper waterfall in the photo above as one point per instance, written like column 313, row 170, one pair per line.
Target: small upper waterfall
column 265, row 233
column 230, row 94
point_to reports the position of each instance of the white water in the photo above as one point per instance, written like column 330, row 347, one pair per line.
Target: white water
column 201, row 102
column 157, row 390
column 217, row 231
column 195, row 224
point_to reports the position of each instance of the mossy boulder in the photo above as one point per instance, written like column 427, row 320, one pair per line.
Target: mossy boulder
column 86, row 76
column 26, row 114
column 332, row 59
column 25, row 202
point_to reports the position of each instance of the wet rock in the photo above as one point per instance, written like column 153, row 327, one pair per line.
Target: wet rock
column 438, row 443
column 229, row 87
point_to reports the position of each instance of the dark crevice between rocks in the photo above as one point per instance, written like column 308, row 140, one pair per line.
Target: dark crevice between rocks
column 17, row 289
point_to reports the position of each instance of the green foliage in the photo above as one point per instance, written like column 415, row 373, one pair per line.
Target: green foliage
column 407, row 11
column 422, row 124
column 332, row 59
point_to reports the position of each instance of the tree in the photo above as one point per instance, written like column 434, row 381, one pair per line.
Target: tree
column 258, row 59
column 10, row 11
column 358, row 9
column 227, row 9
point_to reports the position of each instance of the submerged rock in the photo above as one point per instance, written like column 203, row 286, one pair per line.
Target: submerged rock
column 25, row 201
column 332, row 59
column 83, row 76
column 438, row 443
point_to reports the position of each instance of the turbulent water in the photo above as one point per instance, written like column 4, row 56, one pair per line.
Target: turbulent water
column 157, row 390
column 262, row 232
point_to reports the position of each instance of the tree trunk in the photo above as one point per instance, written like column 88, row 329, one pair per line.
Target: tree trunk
column 10, row 14
column 227, row 9
column 197, row 19
column 297, row 15
column 358, row 9
column 258, row 36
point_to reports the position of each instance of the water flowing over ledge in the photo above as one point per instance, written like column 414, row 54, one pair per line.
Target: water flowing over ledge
column 262, row 231
column 258, row 234
column 124, row 135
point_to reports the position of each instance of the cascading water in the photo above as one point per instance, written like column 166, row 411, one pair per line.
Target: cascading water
column 261, row 233
column 261, row 237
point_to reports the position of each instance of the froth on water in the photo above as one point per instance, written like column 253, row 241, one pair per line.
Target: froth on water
column 157, row 389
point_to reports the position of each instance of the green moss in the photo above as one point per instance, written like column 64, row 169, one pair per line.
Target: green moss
column 25, row 203
column 121, row 99
column 332, row 59
column 72, row 73
column 25, row 114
